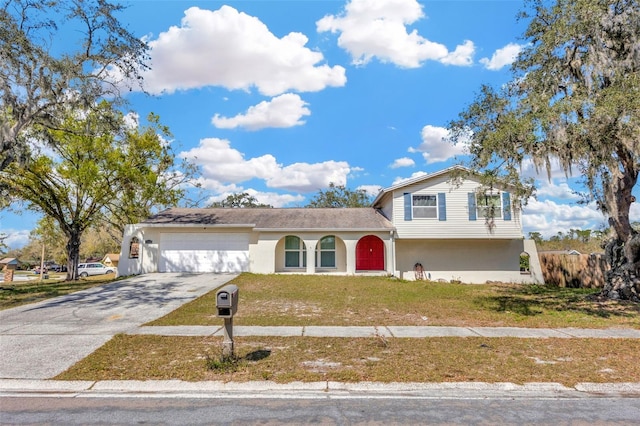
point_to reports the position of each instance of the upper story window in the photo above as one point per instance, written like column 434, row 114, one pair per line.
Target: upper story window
column 425, row 207
column 489, row 205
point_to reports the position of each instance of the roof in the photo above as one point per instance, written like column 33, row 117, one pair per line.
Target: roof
column 8, row 260
column 268, row 219
column 567, row 251
column 112, row 256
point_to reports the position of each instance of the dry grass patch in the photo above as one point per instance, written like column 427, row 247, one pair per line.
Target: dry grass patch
column 287, row 359
column 300, row 300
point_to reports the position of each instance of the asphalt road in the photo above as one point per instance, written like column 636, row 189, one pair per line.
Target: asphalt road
column 340, row 410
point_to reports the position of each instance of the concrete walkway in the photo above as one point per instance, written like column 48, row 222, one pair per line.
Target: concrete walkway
column 41, row 340
column 392, row 331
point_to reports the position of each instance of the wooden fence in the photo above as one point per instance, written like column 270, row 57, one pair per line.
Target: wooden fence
column 573, row 270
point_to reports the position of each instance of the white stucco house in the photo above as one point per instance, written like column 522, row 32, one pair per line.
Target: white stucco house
column 429, row 227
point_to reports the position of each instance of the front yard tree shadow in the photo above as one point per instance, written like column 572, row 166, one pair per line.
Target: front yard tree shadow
column 532, row 300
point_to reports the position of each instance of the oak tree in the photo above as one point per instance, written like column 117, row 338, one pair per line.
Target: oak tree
column 574, row 99
column 337, row 196
column 97, row 166
column 42, row 72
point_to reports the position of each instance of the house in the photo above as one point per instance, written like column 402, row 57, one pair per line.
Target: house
column 8, row 265
column 111, row 259
column 429, row 227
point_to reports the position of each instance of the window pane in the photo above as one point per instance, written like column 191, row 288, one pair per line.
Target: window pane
column 425, row 212
column 490, row 205
column 328, row 243
column 292, row 243
column 424, row 200
column 327, row 259
column 292, row 259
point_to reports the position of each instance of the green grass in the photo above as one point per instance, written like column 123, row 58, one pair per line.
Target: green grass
column 19, row 293
column 299, row 300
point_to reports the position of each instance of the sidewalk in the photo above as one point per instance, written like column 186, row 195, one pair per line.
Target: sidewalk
column 393, row 331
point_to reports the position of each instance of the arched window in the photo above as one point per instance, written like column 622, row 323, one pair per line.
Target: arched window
column 295, row 252
column 134, row 248
column 524, row 263
column 326, row 252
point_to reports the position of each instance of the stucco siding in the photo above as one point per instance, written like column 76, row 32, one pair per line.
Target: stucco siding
column 469, row 261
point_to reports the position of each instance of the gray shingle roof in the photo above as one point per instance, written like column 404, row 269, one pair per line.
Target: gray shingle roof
column 364, row 218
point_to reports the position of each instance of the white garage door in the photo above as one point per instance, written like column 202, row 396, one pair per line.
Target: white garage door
column 195, row 252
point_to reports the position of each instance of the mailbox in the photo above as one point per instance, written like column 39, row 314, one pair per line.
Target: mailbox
column 227, row 301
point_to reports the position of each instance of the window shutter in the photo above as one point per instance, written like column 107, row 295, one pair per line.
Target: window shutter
column 407, row 206
column 442, row 206
column 472, row 206
column 506, row 205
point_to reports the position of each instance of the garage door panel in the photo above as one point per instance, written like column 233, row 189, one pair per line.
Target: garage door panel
column 204, row 261
column 194, row 252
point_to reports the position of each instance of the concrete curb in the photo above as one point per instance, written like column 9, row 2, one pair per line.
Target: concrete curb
column 267, row 389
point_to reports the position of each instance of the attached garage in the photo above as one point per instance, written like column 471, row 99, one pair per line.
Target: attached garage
column 203, row 252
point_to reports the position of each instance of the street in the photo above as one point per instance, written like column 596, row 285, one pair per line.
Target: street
column 329, row 410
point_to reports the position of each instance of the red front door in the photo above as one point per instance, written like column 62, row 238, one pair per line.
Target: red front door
column 370, row 254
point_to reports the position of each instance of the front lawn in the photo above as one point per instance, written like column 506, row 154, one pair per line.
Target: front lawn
column 299, row 300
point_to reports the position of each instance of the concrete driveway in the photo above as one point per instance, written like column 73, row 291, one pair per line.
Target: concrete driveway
column 41, row 340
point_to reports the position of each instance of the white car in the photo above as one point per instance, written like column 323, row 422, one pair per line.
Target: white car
column 86, row 269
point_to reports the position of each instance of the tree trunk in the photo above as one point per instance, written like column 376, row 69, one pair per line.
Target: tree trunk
column 622, row 281
column 73, row 254
column 623, row 250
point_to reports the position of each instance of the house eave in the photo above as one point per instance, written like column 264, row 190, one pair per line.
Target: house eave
column 196, row 225
column 324, row 229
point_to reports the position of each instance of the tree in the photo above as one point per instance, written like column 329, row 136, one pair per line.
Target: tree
column 98, row 167
column 574, row 99
column 40, row 78
column 535, row 236
column 239, row 201
column 338, row 196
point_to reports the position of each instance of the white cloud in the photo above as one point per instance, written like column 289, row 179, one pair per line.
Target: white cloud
column 462, row 56
column 413, row 175
column 555, row 190
column 305, row 177
column 16, row 238
column 435, row 146
column 283, row 111
column 378, row 28
column 502, row 57
column 222, row 165
column 234, row 50
column 371, row 190
column 403, row 162
column 548, row 217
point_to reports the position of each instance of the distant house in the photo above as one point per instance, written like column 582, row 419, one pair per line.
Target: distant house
column 422, row 228
column 8, row 266
column 9, row 263
column 568, row 252
column 111, row 259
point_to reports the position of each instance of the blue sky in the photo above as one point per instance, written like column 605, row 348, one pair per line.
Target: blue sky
column 281, row 98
